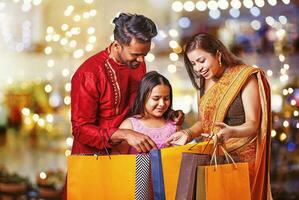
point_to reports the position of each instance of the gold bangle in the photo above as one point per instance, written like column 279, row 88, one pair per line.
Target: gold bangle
column 188, row 132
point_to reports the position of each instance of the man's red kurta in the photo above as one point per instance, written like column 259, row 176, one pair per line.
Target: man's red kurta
column 103, row 92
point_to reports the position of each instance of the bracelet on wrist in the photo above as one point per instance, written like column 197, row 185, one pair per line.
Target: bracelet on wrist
column 188, row 132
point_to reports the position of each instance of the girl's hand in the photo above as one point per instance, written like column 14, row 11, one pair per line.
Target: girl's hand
column 178, row 138
column 225, row 133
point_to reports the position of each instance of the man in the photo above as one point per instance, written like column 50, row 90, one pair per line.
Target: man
column 105, row 85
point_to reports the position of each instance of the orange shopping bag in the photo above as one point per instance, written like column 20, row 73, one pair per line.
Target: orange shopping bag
column 108, row 177
column 227, row 181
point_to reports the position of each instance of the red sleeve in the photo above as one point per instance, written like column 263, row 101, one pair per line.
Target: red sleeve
column 85, row 105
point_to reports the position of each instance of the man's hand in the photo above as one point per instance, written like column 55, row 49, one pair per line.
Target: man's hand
column 177, row 117
column 142, row 143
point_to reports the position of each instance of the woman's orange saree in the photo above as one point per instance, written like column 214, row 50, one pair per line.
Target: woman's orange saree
column 255, row 150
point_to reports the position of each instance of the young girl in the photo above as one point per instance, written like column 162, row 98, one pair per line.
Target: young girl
column 150, row 114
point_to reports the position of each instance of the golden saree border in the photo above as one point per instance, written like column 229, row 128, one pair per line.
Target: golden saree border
column 214, row 106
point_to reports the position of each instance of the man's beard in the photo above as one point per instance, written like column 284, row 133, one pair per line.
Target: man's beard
column 132, row 64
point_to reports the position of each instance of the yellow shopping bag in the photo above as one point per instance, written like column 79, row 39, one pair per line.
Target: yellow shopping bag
column 108, row 177
column 171, row 160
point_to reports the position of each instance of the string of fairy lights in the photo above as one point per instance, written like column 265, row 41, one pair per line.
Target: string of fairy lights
column 76, row 37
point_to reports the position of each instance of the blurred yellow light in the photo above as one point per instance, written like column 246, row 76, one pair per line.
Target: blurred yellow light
column 77, row 18
column 201, row 5
column 26, row 111
column 43, row 175
column 48, row 50
column 56, row 37
column 50, row 118
column 27, row 121
column 290, row 90
column 284, row 78
column 50, row 63
column 272, row 2
column 223, row 4
column 273, row 133
column 178, row 50
column 285, row 92
column 269, row 73
column 65, row 72
column 259, row 3
column 50, row 29
column 69, row 141
column 88, row 1
column 173, row 44
column 236, row 4
column 91, row 30
column 212, row 5
column 67, row 152
column 171, row 68
column 248, row 4
column 75, row 31
column 92, row 39
column 293, row 102
column 41, row 122
column 296, row 113
column 173, row 57
column 177, row 6
column 282, row 137
column 150, row 57
column 189, row 6
column 78, row 53
column 64, row 41
column 73, row 43
column 297, row 125
column 286, row 66
column 89, row 47
column 67, row 100
column 64, row 27
column 286, row 124
column 48, row 88
column 93, row 12
column 68, row 87
column 48, row 38
column 35, row 117
column 173, row 33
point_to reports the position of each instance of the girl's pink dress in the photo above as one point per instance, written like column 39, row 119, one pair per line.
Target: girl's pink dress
column 158, row 135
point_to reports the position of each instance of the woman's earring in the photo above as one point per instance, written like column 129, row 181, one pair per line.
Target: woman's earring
column 219, row 61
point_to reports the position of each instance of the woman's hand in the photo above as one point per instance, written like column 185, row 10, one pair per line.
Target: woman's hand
column 225, row 133
column 178, row 138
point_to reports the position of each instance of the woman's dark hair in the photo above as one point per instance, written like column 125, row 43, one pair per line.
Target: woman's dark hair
column 148, row 82
column 129, row 26
column 212, row 45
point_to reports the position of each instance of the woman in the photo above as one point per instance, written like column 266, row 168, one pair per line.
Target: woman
column 234, row 103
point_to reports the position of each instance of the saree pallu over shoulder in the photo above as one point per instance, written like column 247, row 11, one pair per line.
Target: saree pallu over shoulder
column 213, row 108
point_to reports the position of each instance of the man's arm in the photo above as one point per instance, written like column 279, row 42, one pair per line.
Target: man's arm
column 84, row 106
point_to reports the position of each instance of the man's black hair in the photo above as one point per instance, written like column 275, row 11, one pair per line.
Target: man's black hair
column 129, row 26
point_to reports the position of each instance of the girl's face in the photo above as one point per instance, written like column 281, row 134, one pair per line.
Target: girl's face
column 158, row 101
column 204, row 64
